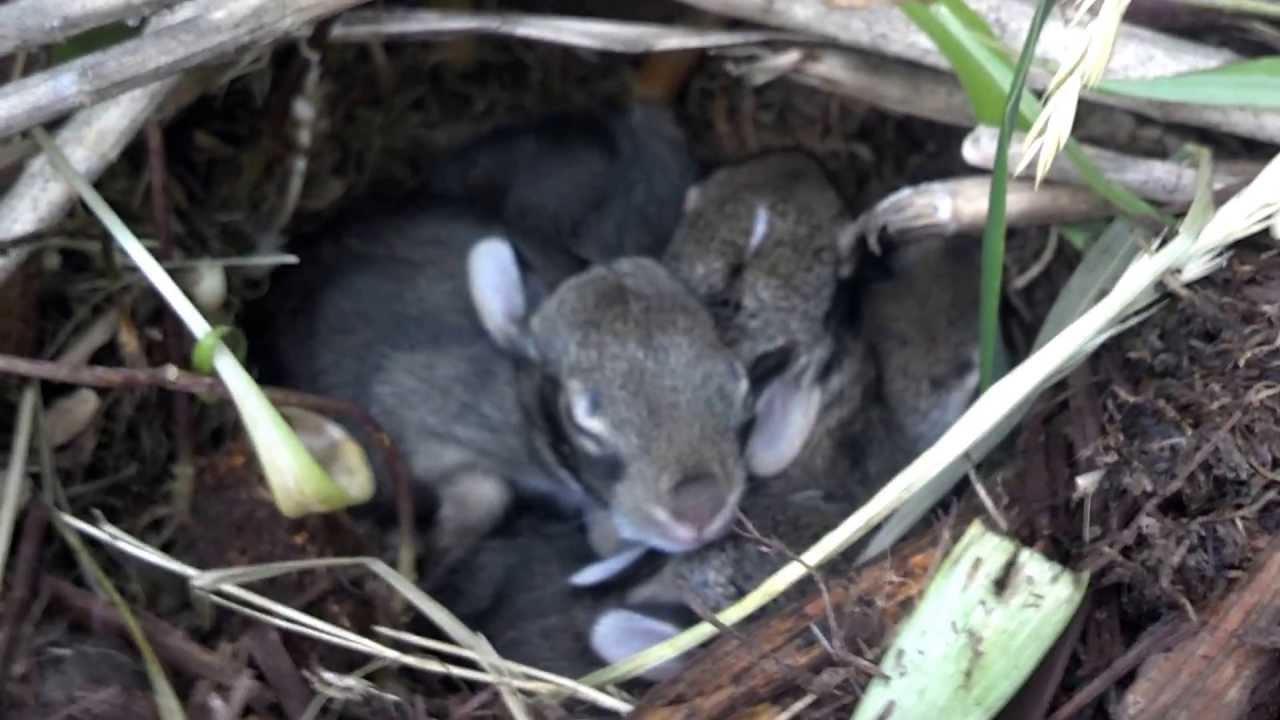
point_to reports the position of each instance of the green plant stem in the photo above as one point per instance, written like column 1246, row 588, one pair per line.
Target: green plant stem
column 993, row 236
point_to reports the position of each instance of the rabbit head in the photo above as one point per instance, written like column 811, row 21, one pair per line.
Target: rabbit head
column 901, row 373
column 922, row 325
column 758, row 242
column 638, row 400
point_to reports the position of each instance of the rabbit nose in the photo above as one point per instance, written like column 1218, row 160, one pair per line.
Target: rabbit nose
column 698, row 501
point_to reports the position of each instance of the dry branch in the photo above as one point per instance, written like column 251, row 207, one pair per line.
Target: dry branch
column 1164, row 181
column 212, row 29
column 589, row 33
column 169, row 377
column 171, row 643
column 91, row 140
column 31, row 23
column 959, row 205
column 1139, row 52
column 886, row 83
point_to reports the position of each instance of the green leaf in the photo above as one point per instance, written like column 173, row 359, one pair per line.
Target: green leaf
column 985, row 93
column 966, row 40
column 1118, row 195
column 202, row 353
column 1250, row 83
column 1107, row 259
column 91, row 40
column 974, row 51
column 991, row 612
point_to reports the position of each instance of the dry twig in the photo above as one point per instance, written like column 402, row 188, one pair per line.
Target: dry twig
column 1139, row 52
column 588, row 33
column 31, row 23
column 959, row 205
column 1164, row 181
column 207, row 30
column 170, row 377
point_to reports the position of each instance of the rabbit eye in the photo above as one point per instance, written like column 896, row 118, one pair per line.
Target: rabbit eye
column 582, row 413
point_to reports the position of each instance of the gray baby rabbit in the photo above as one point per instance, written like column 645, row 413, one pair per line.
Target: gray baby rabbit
column 758, row 242
column 887, row 396
column 511, row 589
column 612, row 392
column 576, row 187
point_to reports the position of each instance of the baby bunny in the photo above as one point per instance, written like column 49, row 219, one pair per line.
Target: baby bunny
column 511, row 590
column 758, row 243
column 577, row 187
column 610, row 392
column 885, row 400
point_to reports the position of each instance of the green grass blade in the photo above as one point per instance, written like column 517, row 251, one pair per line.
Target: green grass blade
column 1118, row 195
column 1251, row 83
column 996, row 92
column 993, row 235
column 986, row 94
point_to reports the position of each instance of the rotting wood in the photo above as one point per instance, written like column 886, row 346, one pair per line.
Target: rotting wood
column 754, row 663
column 1220, row 673
column 1156, row 639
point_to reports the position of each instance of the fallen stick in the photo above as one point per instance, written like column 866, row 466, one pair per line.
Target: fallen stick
column 31, row 23
column 170, row 643
column 957, row 206
column 886, row 83
column 169, row 377
column 211, row 29
column 1139, row 52
column 1164, row 181
column 620, row 36
column 91, row 140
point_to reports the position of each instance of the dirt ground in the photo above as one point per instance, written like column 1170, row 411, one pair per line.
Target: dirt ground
column 1181, row 414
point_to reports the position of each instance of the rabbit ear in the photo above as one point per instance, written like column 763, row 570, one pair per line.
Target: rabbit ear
column 759, row 228
column 498, row 294
column 692, row 197
column 786, row 412
column 618, row 634
column 609, row 568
